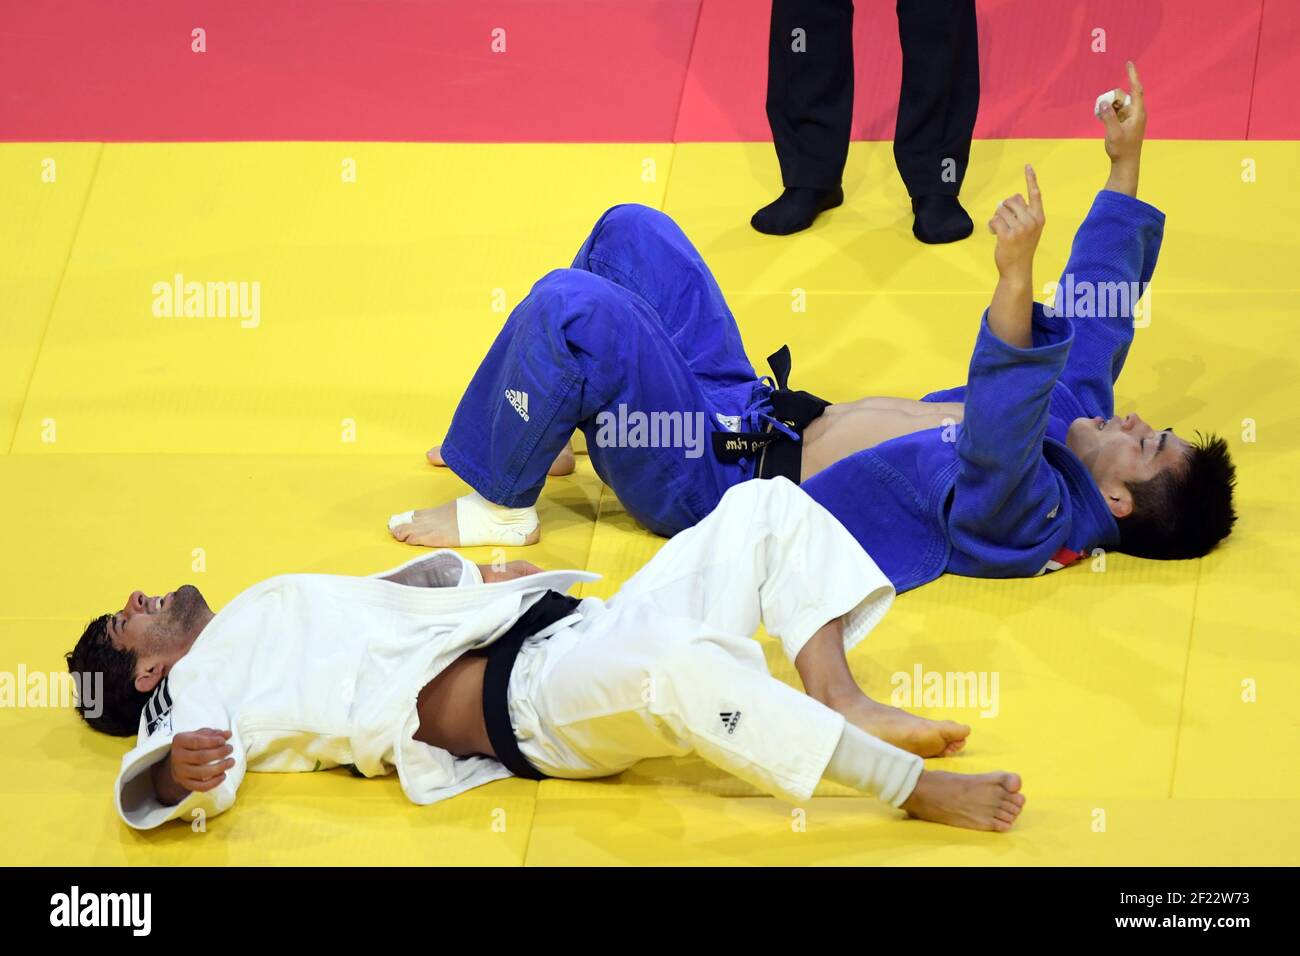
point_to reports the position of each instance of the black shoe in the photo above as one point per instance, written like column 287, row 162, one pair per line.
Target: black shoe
column 940, row 219
column 795, row 209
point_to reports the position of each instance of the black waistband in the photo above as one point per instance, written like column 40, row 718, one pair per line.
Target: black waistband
column 773, row 451
column 501, row 656
column 797, row 410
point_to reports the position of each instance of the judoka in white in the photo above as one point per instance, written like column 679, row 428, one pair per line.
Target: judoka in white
column 312, row 671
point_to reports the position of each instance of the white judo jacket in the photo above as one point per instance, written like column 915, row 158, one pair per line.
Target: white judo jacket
column 312, row 671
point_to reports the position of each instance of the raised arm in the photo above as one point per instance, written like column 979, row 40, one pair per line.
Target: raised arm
column 1126, row 128
column 1018, row 224
column 1111, row 261
column 1003, row 517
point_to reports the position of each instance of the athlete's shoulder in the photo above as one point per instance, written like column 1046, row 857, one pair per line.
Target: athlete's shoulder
column 157, row 714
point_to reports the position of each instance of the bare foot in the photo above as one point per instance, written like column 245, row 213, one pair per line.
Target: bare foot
column 985, row 801
column 925, row 738
column 430, row 527
column 563, row 465
column 437, row 528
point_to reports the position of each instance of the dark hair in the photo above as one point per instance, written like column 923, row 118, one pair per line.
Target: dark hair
column 1183, row 512
column 120, row 703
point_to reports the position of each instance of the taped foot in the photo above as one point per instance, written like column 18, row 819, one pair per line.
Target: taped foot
column 468, row 521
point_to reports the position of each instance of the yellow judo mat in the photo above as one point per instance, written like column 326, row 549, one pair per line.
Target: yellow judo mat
column 1151, row 708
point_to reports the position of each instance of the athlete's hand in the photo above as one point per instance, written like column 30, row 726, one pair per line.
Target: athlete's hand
column 1018, row 224
column 200, row 758
column 512, row 570
column 1127, row 126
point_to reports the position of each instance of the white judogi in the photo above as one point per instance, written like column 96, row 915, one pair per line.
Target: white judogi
column 313, row 671
column 668, row 665
column 316, row 671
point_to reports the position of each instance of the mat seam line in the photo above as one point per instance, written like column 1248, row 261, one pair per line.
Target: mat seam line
column 677, row 114
column 1254, row 70
column 54, row 302
column 690, row 56
column 591, row 538
column 668, row 180
column 586, row 566
column 1187, row 669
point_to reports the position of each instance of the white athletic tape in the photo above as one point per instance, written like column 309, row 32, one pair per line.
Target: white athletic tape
column 404, row 518
column 479, row 521
column 1110, row 97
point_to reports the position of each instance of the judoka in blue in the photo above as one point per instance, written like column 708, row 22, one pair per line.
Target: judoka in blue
column 639, row 323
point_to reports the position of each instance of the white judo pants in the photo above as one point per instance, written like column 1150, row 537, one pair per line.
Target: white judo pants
column 668, row 666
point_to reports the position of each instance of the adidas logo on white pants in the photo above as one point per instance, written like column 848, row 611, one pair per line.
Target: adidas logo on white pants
column 520, row 402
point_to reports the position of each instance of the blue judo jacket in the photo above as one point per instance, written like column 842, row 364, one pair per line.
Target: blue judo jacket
column 1000, row 495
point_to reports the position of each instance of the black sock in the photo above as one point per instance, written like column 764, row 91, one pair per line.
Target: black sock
column 940, row 219
column 795, row 209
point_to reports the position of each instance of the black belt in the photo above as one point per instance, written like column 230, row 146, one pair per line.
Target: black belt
column 501, row 656
column 777, row 453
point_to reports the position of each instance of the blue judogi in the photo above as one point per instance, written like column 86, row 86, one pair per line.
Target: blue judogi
column 639, row 320
column 1007, row 498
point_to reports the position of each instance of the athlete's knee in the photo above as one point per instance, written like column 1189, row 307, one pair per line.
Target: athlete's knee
column 632, row 216
column 783, row 490
column 562, row 296
column 763, row 497
column 632, row 225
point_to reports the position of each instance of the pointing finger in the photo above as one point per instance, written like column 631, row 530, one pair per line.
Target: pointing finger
column 1135, row 84
column 1035, row 195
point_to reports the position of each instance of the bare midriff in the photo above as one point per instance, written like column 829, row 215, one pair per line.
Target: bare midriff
column 845, row 429
column 450, row 708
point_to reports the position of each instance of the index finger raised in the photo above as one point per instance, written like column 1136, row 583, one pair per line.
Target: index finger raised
column 1035, row 194
column 1135, row 84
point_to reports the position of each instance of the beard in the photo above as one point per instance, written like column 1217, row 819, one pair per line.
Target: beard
column 177, row 625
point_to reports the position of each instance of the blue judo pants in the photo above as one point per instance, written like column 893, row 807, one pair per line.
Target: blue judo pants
column 636, row 325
